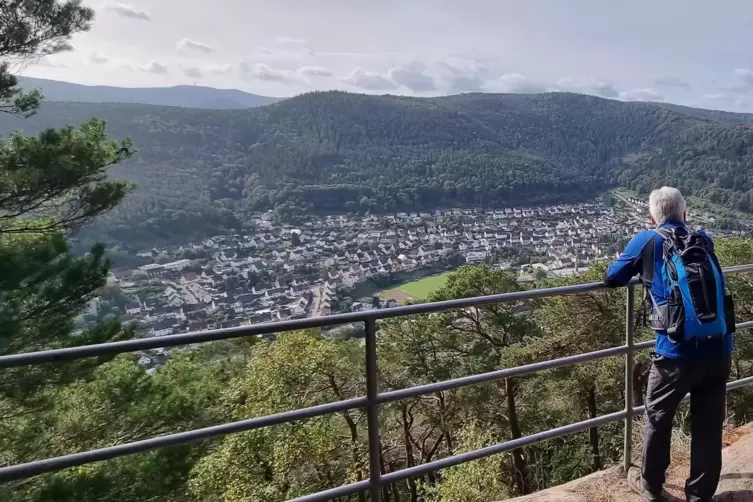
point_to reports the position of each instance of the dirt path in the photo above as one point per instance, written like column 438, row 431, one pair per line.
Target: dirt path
column 399, row 296
column 610, row 486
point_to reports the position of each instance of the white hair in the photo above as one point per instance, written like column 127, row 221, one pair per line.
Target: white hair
column 666, row 203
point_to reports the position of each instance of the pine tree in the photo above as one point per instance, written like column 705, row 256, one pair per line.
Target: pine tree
column 50, row 186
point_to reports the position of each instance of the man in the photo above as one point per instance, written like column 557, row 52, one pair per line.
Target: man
column 698, row 365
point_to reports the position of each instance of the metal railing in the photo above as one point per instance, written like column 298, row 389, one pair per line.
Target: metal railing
column 373, row 398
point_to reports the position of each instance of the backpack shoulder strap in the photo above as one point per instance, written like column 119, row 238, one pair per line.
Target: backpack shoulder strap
column 670, row 241
column 665, row 232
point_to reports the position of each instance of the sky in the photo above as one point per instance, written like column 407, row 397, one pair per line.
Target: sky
column 691, row 52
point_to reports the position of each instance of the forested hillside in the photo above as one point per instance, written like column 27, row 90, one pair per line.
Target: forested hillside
column 198, row 171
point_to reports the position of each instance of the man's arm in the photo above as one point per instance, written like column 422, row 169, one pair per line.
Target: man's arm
column 630, row 263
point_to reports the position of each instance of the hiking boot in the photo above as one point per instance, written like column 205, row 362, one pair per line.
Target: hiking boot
column 635, row 483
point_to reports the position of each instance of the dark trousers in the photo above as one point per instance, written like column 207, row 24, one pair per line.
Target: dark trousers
column 669, row 381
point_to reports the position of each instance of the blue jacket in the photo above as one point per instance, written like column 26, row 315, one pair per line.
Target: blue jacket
column 642, row 256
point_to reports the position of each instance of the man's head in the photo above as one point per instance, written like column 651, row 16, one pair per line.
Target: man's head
column 666, row 203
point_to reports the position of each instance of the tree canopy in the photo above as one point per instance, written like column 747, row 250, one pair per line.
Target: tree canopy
column 50, row 186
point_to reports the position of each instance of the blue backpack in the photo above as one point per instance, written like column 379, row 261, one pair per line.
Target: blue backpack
column 699, row 304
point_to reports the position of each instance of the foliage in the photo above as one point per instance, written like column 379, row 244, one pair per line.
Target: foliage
column 738, row 251
column 476, row 481
column 51, row 185
column 121, row 402
column 31, row 29
column 291, row 460
column 61, row 175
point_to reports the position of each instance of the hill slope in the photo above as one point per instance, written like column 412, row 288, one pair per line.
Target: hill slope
column 198, row 171
column 189, row 96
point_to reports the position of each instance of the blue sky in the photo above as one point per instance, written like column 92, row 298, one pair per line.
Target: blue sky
column 692, row 52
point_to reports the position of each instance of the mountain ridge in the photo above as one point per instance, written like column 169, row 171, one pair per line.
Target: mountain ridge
column 187, row 96
column 200, row 172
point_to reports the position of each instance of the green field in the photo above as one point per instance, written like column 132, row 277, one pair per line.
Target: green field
column 416, row 290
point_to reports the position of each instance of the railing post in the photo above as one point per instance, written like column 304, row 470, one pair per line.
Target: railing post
column 372, row 410
column 629, row 362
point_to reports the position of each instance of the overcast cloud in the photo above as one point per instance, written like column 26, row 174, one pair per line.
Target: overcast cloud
column 314, row 71
column 265, row 73
column 187, row 45
column 680, row 51
column 192, row 72
column 516, row 83
column 155, row 67
column 364, row 78
column 221, row 69
column 413, row 76
column 97, row 58
column 127, row 10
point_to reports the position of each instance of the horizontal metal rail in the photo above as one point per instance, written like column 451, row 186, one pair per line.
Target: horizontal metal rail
column 57, row 463
column 213, row 335
column 370, row 402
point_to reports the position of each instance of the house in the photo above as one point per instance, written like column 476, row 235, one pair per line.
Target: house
column 189, row 277
column 176, row 265
column 472, row 257
column 153, row 269
column 163, row 327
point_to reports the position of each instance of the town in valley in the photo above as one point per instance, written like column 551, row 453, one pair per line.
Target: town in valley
column 341, row 263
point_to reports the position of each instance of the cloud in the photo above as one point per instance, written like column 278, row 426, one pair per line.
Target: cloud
column 367, row 79
column 744, row 83
column 641, row 94
column 464, row 76
column 413, row 76
column 291, row 41
column 98, row 58
column 187, row 44
column 266, row 51
column 672, row 82
column 295, row 46
column 745, row 75
column 314, row 71
column 284, row 53
column 220, row 70
column 49, row 63
column 154, row 67
column 126, row 10
column 261, row 71
column 360, row 55
column 722, row 101
column 191, row 72
column 516, row 83
column 591, row 85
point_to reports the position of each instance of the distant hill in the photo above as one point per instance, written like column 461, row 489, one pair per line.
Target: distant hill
column 718, row 115
column 200, row 172
column 188, row 96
